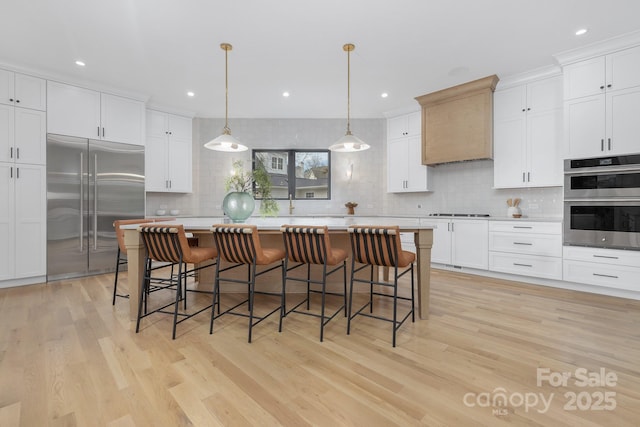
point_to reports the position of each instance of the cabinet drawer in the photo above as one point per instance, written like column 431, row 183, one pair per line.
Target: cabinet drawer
column 526, row 227
column 611, row 276
column 602, row 256
column 531, row 244
column 526, row 265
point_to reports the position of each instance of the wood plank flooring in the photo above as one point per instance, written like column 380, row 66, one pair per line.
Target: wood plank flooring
column 69, row 358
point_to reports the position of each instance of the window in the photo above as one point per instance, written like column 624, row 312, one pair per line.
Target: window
column 299, row 174
column 277, row 163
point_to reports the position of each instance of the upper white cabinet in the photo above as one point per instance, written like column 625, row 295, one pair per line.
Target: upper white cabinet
column 22, row 90
column 86, row 113
column 405, row 171
column 168, row 153
column 602, row 98
column 460, row 242
column 615, row 71
column 22, row 135
column 405, row 125
column 527, row 135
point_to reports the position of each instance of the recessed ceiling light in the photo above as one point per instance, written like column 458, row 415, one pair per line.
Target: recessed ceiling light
column 80, row 63
column 285, row 94
column 581, row 31
column 384, row 94
column 191, row 94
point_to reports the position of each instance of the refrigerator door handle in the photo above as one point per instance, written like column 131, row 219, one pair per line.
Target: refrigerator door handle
column 81, row 201
column 95, row 202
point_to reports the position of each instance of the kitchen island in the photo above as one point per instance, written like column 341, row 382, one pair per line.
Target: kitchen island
column 269, row 229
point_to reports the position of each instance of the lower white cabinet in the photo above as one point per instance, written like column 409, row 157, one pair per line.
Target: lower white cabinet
column 526, row 248
column 23, row 221
column 460, row 242
column 602, row 267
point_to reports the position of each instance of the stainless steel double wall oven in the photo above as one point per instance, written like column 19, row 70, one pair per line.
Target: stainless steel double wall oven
column 602, row 202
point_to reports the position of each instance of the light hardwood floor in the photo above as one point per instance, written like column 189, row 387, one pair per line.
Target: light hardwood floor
column 68, row 358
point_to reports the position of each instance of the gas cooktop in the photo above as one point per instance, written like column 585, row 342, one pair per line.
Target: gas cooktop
column 475, row 215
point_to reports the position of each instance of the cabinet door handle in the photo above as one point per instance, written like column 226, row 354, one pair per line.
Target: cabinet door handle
column 17, row 173
column 17, row 101
column 522, row 265
column 522, row 226
column 103, row 132
column 98, row 131
column 523, row 177
column 605, row 275
column 10, row 99
column 609, row 85
column 609, row 142
column 11, row 172
column 528, row 176
column 605, row 256
column 11, row 152
column 602, row 87
column 17, row 152
column 169, row 183
column 523, row 243
column 602, row 144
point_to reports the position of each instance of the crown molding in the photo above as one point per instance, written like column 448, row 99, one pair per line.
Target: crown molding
column 171, row 110
column 603, row 47
column 529, row 76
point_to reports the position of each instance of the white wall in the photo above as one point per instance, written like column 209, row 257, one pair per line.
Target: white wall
column 459, row 187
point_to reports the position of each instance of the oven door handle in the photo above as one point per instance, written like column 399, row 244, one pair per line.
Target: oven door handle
column 603, row 199
column 598, row 170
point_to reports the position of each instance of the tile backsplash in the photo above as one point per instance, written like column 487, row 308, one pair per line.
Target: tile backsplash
column 465, row 187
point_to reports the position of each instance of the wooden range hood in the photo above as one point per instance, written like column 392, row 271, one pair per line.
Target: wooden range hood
column 457, row 123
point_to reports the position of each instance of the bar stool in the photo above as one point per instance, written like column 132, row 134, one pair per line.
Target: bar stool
column 121, row 255
column 169, row 245
column 240, row 245
column 375, row 246
column 307, row 245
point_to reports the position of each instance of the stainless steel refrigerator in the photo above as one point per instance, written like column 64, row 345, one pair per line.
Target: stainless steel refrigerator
column 89, row 185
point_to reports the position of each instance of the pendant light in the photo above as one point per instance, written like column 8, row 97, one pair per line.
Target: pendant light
column 349, row 142
column 226, row 142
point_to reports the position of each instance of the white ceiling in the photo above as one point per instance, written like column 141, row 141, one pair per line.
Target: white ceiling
column 164, row 48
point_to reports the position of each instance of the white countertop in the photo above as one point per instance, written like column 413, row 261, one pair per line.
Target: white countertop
column 274, row 223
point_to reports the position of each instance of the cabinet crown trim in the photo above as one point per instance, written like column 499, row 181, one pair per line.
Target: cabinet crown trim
column 624, row 41
column 461, row 91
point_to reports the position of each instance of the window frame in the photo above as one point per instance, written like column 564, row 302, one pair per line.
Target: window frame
column 291, row 170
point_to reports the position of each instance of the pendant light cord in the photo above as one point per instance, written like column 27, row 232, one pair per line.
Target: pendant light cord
column 226, row 47
column 348, row 48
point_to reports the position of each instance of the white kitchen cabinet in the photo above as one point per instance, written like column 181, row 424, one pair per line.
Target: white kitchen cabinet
column 528, row 134
column 460, row 242
column 404, row 125
column 603, row 125
column 615, row 71
column 22, row 221
column 22, row 135
column 526, row 248
column 602, row 97
column 602, row 267
column 168, row 153
column 21, row 90
column 86, row 113
column 405, row 171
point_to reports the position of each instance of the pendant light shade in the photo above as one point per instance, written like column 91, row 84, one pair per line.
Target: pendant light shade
column 349, row 142
column 226, row 142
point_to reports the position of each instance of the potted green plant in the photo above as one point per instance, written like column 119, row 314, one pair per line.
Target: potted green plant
column 256, row 183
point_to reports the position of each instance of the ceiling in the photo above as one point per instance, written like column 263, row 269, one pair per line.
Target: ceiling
column 162, row 48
